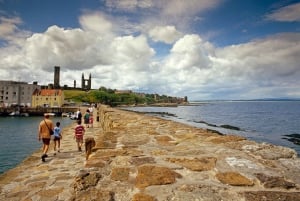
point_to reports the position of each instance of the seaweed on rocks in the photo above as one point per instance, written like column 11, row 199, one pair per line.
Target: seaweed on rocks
column 214, row 131
column 230, row 127
column 204, row 122
column 294, row 138
column 155, row 113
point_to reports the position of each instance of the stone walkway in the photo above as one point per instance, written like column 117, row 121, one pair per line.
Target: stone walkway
column 142, row 158
column 50, row 180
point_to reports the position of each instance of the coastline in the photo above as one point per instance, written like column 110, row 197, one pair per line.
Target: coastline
column 136, row 154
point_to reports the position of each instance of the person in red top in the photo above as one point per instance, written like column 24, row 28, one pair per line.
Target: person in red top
column 78, row 135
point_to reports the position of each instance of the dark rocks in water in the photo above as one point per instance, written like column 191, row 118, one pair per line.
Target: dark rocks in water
column 214, row 131
column 294, row 135
column 200, row 122
column 153, row 113
column 230, row 127
column 203, row 122
column 294, row 138
column 212, row 125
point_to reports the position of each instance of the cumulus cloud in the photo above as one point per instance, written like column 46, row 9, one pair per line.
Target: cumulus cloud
column 267, row 67
column 9, row 30
column 95, row 22
column 189, row 52
column 267, row 63
column 289, row 13
column 166, row 34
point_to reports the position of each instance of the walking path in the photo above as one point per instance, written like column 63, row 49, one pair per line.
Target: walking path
column 142, row 158
column 50, row 180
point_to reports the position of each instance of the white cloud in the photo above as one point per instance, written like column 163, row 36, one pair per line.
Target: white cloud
column 166, row 34
column 9, row 30
column 189, row 52
column 183, row 8
column 267, row 67
column 8, row 25
column 95, row 22
column 163, row 12
column 131, row 53
column 128, row 4
column 289, row 13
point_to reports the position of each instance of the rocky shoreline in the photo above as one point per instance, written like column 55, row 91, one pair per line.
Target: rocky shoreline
column 137, row 157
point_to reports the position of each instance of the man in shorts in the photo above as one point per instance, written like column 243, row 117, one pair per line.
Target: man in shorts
column 44, row 134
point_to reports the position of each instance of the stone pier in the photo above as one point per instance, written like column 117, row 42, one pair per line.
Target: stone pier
column 137, row 157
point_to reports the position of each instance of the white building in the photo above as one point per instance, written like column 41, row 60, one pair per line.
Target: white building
column 16, row 93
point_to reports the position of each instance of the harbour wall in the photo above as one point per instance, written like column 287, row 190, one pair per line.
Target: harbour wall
column 39, row 111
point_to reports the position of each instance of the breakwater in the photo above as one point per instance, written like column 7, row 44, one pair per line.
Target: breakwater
column 39, row 111
column 138, row 157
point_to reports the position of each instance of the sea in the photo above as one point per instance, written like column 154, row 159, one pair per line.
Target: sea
column 19, row 138
column 274, row 122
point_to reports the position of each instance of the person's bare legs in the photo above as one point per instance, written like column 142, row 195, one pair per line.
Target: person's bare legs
column 58, row 145
column 45, row 150
column 54, row 147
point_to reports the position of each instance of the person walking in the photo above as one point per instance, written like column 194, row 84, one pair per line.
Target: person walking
column 86, row 118
column 78, row 135
column 91, row 120
column 78, row 115
column 44, row 134
column 57, row 137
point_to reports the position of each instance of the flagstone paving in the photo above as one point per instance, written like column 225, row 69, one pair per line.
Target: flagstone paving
column 137, row 157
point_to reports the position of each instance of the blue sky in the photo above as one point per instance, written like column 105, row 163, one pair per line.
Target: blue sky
column 203, row 49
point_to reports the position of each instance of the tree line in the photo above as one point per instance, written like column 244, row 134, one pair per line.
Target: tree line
column 113, row 98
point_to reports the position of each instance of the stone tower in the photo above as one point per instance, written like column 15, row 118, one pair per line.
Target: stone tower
column 56, row 77
column 86, row 84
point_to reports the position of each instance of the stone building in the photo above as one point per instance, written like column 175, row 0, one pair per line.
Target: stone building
column 56, row 77
column 86, row 84
column 48, row 98
column 14, row 93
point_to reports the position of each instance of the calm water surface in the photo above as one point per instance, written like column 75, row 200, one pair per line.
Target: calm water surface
column 18, row 137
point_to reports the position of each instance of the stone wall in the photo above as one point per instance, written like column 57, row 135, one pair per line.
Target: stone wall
column 139, row 157
column 136, row 157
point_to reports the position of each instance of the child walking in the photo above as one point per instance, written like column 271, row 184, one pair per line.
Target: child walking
column 57, row 137
column 78, row 135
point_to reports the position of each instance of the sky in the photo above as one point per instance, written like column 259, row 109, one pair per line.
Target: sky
column 202, row 49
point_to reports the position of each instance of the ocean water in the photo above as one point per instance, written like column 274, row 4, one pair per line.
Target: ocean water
column 261, row 121
column 18, row 137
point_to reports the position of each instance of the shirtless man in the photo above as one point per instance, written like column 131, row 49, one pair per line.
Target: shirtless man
column 44, row 134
